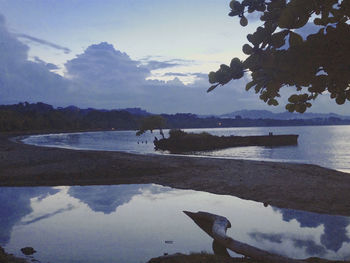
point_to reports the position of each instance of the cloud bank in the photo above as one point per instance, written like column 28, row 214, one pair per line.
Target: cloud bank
column 107, row 75
column 21, row 79
column 104, row 77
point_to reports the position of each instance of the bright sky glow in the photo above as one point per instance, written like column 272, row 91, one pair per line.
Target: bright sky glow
column 176, row 42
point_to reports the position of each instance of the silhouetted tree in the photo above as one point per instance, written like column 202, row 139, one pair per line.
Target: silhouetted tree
column 278, row 56
column 151, row 123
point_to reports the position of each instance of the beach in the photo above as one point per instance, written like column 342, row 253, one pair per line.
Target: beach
column 285, row 185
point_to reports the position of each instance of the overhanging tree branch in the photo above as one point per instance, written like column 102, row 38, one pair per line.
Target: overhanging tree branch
column 278, row 56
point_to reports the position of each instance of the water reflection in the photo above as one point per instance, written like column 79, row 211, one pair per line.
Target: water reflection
column 333, row 237
column 327, row 146
column 335, row 232
column 107, row 198
column 15, row 204
column 110, row 223
column 310, row 246
column 48, row 215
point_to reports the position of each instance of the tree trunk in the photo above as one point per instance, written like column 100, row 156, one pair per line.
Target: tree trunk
column 216, row 226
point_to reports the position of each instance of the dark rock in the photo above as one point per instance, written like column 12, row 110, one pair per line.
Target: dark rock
column 28, row 251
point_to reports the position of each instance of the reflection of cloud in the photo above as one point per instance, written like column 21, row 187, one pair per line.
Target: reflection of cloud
column 311, row 248
column 15, row 204
column 154, row 192
column 273, row 238
column 104, row 198
column 335, row 233
column 107, row 198
column 48, row 215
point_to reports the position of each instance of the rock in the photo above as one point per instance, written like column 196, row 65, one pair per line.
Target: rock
column 28, row 251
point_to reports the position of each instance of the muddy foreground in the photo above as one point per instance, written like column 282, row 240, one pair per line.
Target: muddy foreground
column 296, row 186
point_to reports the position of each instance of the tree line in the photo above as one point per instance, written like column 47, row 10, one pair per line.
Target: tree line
column 44, row 117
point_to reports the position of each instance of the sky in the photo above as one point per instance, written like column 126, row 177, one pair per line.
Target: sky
column 112, row 54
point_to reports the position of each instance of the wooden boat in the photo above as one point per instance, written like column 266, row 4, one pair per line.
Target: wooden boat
column 180, row 141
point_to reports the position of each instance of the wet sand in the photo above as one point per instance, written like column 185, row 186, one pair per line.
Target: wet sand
column 296, row 186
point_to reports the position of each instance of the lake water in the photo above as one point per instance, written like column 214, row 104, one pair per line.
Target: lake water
column 130, row 223
column 328, row 146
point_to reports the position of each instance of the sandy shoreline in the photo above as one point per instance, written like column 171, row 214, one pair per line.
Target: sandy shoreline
column 297, row 186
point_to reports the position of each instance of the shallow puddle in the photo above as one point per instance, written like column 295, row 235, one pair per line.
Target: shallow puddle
column 133, row 223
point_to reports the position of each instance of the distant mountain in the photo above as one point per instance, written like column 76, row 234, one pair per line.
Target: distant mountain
column 264, row 114
column 41, row 116
column 27, row 107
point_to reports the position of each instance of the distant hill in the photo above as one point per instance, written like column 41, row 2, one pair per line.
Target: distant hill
column 28, row 107
column 136, row 111
column 264, row 114
column 44, row 117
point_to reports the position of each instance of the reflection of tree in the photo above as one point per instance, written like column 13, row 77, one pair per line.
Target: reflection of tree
column 311, row 248
column 15, row 204
column 334, row 226
column 107, row 198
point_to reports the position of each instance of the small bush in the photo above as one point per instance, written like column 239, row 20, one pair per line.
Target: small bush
column 176, row 133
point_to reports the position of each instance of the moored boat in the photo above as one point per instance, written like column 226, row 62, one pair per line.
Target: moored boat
column 180, row 141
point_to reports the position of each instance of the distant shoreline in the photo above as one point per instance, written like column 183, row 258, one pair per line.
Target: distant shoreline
column 287, row 185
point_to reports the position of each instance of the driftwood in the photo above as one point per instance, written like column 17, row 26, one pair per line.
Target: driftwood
column 189, row 142
column 216, row 227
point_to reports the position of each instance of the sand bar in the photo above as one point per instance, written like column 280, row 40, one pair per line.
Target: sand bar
column 297, row 186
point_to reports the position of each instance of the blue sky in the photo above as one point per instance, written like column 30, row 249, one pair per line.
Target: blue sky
column 125, row 53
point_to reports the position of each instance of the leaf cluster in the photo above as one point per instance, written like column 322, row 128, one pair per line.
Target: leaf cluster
column 278, row 56
column 151, row 123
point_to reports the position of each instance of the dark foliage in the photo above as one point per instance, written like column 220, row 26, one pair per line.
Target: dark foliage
column 278, row 56
column 40, row 116
column 43, row 117
column 180, row 141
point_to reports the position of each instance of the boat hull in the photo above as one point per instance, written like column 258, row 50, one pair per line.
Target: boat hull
column 197, row 142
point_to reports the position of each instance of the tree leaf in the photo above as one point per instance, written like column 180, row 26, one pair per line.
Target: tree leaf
column 247, row 49
column 249, row 85
column 243, row 21
column 286, row 18
column 290, row 107
column 212, row 87
column 212, row 77
column 295, row 39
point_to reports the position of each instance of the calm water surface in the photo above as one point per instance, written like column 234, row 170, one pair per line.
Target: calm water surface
column 328, row 146
column 130, row 223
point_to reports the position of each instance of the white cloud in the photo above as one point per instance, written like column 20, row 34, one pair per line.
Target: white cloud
column 44, row 42
column 21, row 79
column 104, row 77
